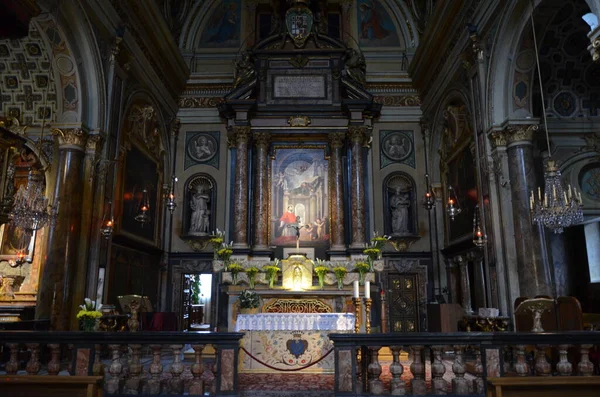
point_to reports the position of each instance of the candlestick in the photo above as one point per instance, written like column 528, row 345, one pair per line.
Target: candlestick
column 356, row 290
column 356, row 315
column 367, row 290
column 368, row 315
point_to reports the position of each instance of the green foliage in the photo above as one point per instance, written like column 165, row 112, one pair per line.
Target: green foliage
column 249, row 299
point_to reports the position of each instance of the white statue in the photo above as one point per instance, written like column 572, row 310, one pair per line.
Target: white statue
column 200, row 218
column 399, row 204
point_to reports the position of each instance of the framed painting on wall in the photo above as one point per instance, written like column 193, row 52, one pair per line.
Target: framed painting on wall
column 461, row 176
column 299, row 196
column 140, row 173
column 14, row 241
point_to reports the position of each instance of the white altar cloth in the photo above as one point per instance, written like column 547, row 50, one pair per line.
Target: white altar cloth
column 295, row 322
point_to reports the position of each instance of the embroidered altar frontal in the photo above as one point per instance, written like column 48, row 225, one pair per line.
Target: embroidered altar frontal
column 296, row 343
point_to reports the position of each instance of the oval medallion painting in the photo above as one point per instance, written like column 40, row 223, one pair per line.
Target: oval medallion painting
column 202, row 148
column 589, row 180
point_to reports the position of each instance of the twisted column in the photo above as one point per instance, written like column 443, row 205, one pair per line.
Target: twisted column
column 358, row 136
column 239, row 136
column 534, row 277
column 336, row 190
column 261, row 191
column 56, row 289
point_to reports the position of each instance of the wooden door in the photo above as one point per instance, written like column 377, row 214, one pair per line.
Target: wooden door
column 403, row 303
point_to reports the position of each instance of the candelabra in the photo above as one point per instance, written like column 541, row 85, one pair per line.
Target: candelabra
column 368, row 302
column 356, row 302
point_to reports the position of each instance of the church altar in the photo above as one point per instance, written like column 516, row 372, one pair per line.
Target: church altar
column 296, row 342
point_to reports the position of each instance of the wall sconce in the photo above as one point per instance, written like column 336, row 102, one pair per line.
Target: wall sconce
column 453, row 206
column 170, row 203
column 479, row 238
column 142, row 215
column 429, row 198
column 108, row 225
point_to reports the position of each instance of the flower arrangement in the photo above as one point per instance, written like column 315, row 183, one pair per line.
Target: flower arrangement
column 235, row 268
column 271, row 271
column 249, row 299
column 340, row 272
column 88, row 314
column 252, row 271
column 217, row 238
column 320, row 271
column 362, row 268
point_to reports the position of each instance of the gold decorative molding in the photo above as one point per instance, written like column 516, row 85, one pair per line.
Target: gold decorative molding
column 595, row 50
column 13, row 125
column 299, row 121
column 199, row 102
column 397, row 100
column 520, row 133
column 299, row 61
column 296, row 306
column 403, row 243
column 70, row 137
column 361, row 134
column 337, row 138
column 238, row 134
column 497, row 138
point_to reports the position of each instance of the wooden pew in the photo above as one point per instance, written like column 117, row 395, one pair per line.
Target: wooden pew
column 580, row 386
column 50, row 386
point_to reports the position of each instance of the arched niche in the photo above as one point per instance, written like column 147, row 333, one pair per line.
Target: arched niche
column 400, row 205
column 200, row 206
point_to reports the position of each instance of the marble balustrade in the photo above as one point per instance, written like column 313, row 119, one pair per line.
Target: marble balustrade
column 131, row 363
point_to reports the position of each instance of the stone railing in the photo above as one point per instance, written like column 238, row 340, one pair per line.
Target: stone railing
column 456, row 363
column 131, row 363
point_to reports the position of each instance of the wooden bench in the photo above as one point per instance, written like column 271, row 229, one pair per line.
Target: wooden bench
column 50, row 386
column 580, row 386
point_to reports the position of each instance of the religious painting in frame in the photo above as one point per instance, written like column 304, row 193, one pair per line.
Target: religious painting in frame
column 141, row 172
column 375, row 25
column 299, row 196
column 222, row 29
column 14, row 242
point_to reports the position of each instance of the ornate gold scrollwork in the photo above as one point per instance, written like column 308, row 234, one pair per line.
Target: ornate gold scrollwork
column 299, row 121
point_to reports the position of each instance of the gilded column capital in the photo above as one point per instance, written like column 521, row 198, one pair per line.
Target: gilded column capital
column 336, row 139
column 261, row 139
column 360, row 134
column 520, row 133
column 497, row 138
column 70, row 138
column 94, row 145
column 238, row 134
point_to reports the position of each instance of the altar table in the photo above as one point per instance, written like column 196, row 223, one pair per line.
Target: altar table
column 297, row 342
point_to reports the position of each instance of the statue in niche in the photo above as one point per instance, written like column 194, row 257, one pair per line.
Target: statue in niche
column 400, row 207
column 200, row 217
column 245, row 70
column 356, row 66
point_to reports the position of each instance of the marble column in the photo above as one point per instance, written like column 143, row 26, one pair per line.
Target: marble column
column 239, row 136
column 465, row 284
column 55, row 294
column 358, row 136
column 261, row 191
column 336, row 190
column 534, row 277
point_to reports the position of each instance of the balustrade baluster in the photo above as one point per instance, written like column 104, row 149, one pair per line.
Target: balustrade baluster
column 542, row 366
column 133, row 381
column 156, row 369
column 98, row 367
column 398, row 387
column 33, row 365
column 213, row 370
column 54, row 363
column 196, row 370
column 478, row 387
column 521, row 366
column 113, row 385
column 12, row 366
column 360, row 365
column 564, row 367
column 459, row 384
column 417, row 368
column 374, row 370
column 438, row 369
column 585, row 366
column 176, row 383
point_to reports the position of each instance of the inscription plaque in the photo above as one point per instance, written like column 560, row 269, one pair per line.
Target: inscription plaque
column 312, row 86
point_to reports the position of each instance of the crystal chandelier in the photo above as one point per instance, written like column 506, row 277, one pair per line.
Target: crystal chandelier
column 142, row 215
column 170, row 203
column 452, row 206
column 479, row 239
column 31, row 210
column 428, row 199
column 560, row 206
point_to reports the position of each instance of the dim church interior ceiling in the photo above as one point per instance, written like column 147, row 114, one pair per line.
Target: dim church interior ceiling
column 297, row 125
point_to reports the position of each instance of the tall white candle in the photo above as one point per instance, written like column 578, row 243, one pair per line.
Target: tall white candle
column 367, row 290
column 356, row 290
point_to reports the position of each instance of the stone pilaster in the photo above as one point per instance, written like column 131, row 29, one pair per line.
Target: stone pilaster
column 56, row 290
column 261, row 191
column 465, row 285
column 238, row 137
column 534, row 277
column 336, row 190
column 358, row 135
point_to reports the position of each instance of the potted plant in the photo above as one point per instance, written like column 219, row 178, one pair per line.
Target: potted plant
column 321, row 271
column 235, row 268
column 271, row 271
column 88, row 314
column 362, row 268
column 249, row 302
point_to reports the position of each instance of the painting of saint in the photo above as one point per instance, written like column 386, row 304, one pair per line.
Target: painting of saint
column 375, row 26
column 223, row 27
column 299, row 203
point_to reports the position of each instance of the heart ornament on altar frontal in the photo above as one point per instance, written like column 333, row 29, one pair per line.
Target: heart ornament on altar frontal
column 299, row 22
column 297, row 346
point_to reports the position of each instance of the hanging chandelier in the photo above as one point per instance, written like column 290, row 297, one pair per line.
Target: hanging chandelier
column 428, row 199
column 31, row 211
column 142, row 215
column 108, row 226
column 560, row 206
column 452, row 206
column 170, row 203
column 479, row 238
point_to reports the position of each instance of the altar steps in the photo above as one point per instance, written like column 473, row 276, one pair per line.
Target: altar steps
column 286, row 385
column 302, row 393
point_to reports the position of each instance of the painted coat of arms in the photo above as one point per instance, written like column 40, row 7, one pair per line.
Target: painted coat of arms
column 299, row 21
